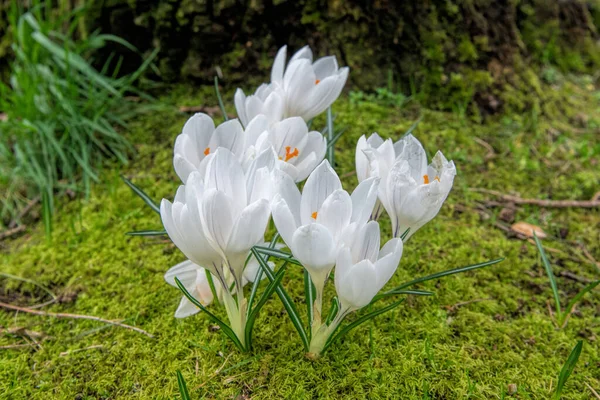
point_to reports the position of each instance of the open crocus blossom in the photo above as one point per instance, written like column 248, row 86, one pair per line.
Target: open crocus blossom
column 313, row 223
column 199, row 139
column 309, row 88
column 361, row 271
column 215, row 220
column 411, row 191
column 268, row 100
column 298, row 150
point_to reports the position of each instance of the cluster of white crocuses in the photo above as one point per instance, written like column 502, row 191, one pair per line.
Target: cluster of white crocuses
column 239, row 173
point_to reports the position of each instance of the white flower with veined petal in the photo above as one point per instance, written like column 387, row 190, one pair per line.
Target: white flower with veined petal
column 216, row 218
column 298, row 150
column 199, row 139
column 362, row 269
column 312, row 224
column 411, row 191
column 267, row 100
column 309, row 88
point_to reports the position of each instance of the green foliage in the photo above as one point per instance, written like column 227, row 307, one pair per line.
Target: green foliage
column 567, row 369
column 62, row 117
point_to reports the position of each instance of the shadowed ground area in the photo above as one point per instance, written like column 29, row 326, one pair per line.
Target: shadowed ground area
column 486, row 334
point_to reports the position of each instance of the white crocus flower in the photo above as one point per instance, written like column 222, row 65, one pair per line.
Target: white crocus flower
column 267, row 100
column 362, row 269
column 298, row 150
column 194, row 278
column 309, row 88
column 217, row 218
column 312, row 224
column 199, row 139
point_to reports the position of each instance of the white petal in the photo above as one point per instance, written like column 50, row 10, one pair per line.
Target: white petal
column 304, row 53
column 284, row 220
column 229, row 135
column 250, row 228
column 343, row 264
column 186, row 308
column 255, row 128
column 217, row 218
column 313, row 246
column 390, row 256
column 185, row 271
column 325, row 67
column 289, row 192
column 225, row 174
column 279, row 65
column 363, row 200
column 358, row 286
column 413, row 152
column 240, row 106
column 366, row 243
column 320, row 184
column 335, row 213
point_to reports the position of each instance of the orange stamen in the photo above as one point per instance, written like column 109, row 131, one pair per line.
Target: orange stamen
column 314, row 215
column 426, row 179
column 289, row 154
column 317, row 81
column 437, row 178
column 207, row 151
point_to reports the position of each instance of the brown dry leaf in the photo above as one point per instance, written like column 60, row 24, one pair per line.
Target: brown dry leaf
column 527, row 230
column 3, row 116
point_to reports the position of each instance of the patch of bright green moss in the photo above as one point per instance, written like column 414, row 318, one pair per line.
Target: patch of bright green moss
column 498, row 333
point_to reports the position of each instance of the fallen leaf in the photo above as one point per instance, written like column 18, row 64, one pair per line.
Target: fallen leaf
column 3, row 116
column 527, row 230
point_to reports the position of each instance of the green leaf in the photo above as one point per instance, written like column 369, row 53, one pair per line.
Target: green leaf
column 183, row 390
column 263, row 299
column 398, row 292
column 337, row 136
column 566, row 370
column 360, row 321
column 548, row 268
column 309, row 293
column 259, row 275
column 285, row 299
column 147, row 233
column 330, row 133
column 333, row 310
column 282, row 255
column 221, row 105
column 224, row 327
column 211, row 283
column 142, row 195
column 413, row 127
column 445, row 273
column 405, row 234
column 576, row 300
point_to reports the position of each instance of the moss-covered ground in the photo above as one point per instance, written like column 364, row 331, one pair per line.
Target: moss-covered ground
column 487, row 334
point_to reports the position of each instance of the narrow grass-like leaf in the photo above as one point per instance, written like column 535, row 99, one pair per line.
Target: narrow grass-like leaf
column 576, row 300
column 445, row 273
column 405, row 234
column 550, row 274
column 414, row 292
column 337, row 136
column 360, row 321
column 183, row 390
column 211, row 283
column 226, row 329
column 142, row 195
column 263, row 299
column 285, row 299
column 309, row 294
column 220, row 99
column 330, row 133
column 333, row 310
column 147, row 233
column 282, row 255
column 567, row 369
column 413, row 127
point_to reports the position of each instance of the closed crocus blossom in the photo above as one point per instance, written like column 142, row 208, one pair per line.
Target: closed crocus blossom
column 312, row 224
column 298, row 150
column 415, row 191
column 308, row 88
column 268, row 100
column 362, row 269
column 216, row 218
column 199, row 139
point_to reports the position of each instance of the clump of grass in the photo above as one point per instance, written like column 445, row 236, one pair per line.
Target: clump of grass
column 59, row 112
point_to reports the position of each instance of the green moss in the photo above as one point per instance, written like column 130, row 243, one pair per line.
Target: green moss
column 500, row 335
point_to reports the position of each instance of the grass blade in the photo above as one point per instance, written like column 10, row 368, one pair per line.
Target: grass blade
column 285, row 299
column 405, row 234
column 147, row 233
column 221, row 105
column 361, row 321
column 337, row 136
column 226, row 329
column 445, row 273
column 397, row 292
column 333, row 310
column 183, row 390
column 330, row 133
column 211, row 283
column 282, row 255
column 142, row 195
column 548, row 268
column 309, row 293
column 567, row 369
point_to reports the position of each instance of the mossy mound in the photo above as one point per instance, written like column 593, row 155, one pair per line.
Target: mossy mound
column 482, row 332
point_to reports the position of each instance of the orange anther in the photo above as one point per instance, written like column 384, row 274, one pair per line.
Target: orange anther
column 426, row 179
column 289, row 154
column 317, row 81
column 314, row 215
column 437, row 178
column 207, row 151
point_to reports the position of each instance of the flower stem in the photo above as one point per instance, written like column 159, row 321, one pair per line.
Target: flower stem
column 321, row 335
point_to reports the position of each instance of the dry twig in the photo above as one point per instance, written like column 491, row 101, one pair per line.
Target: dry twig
column 593, row 391
column 24, row 212
column 592, row 203
column 11, row 232
column 74, row 316
column 66, row 353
